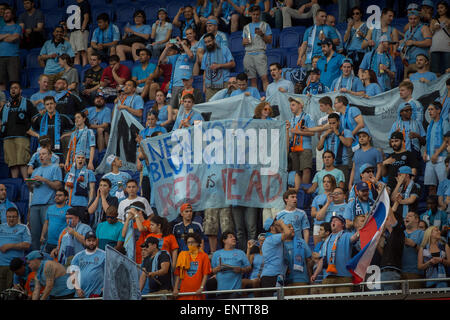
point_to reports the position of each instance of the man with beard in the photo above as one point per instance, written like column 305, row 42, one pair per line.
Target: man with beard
column 413, row 239
column 423, row 73
column 16, row 117
column 217, row 62
column 48, row 57
column 143, row 72
column 406, row 192
column 182, row 65
column 226, row 93
column 100, row 120
column 399, row 158
column 361, row 205
column 329, row 64
column 67, row 102
column 278, row 84
column 91, row 265
column 9, row 50
column 130, row 101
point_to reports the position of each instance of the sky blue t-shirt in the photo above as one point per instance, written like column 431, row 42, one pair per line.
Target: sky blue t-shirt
column 99, row 117
column 17, row 234
column 209, row 58
column 372, row 156
column 77, row 200
column 331, row 70
column 308, row 122
column 141, row 74
column 10, row 49
column 118, row 183
column 332, row 143
column 409, row 257
column 144, row 29
column 350, row 210
column 316, row 48
column 430, row 76
column 182, row 66
column 41, row 95
column 253, row 92
column 256, row 266
column 51, row 65
column 85, row 140
column 136, row 102
column 68, row 240
column 372, row 89
column 194, row 115
column 356, row 85
column 161, row 31
column 272, row 250
column 42, row 193
column 297, row 273
column 318, row 178
column 108, row 35
column 221, row 40
column 273, row 87
column 343, row 253
column 372, row 61
column 108, row 233
column 297, row 218
column 320, row 201
column 432, row 144
column 56, row 218
column 35, row 162
column 229, row 280
column 3, row 208
column 92, row 268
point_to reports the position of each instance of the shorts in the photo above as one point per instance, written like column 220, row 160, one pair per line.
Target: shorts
column 434, row 173
column 79, row 40
column 17, row 151
column 255, row 65
column 316, row 229
column 439, row 61
column 301, row 160
column 212, row 219
column 9, row 69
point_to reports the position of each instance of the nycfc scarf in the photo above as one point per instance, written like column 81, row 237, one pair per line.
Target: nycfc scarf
column 438, row 136
column 78, row 138
column 331, row 263
column 349, row 83
column 43, row 130
column 7, row 107
column 358, row 207
column 315, row 88
column 214, row 78
column 406, row 196
column 437, row 270
column 336, row 146
column 109, row 31
column 299, row 255
column 310, row 46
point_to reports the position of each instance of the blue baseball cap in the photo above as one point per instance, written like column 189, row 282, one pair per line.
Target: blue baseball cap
column 428, row 3
column 364, row 130
column 414, row 13
column 268, row 223
column 412, row 6
column 36, row 254
column 405, row 170
column 339, row 217
column 347, row 60
column 365, row 166
column 361, row 186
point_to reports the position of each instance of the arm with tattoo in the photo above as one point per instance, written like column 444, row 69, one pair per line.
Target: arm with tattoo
column 50, row 275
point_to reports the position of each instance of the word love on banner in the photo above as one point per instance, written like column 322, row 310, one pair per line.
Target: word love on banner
column 217, row 164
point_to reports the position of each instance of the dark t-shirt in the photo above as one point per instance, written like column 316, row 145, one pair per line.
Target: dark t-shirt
column 112, row 201
column 413, row 206
column 394, row 243
column 166, row 283
column 19, row 122
column 30, row 22
column 66, row 125
column 96, row 76
column 85, row 7
column 69, row 104
column 401, row 159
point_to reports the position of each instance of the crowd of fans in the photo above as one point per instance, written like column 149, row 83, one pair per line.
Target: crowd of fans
column 73, row 214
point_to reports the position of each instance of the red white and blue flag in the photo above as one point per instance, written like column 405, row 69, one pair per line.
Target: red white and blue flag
column 369, row 236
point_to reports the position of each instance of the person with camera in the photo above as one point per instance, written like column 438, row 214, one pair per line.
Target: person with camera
column 191, row 20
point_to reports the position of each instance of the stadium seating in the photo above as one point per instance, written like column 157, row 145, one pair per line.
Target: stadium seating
column 289, row 38
column 235, row 42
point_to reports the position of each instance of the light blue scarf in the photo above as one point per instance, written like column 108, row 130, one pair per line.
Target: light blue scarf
column 349, row 83
column 214, row 78
column 406, row 196
column 438, row 139
column 43, row 130
column 434, row 271
column 299, row 255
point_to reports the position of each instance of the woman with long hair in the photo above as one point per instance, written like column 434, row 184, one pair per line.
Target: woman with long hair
column 263, row 111
column 160, row 228
column 161, row 32
column 69, row 72
column 135, row 36
column 321, row 203
column 82, row 139
column 370, row 82
column 164, row 111
column 440, row 48
column 354, row 36
column 433, row 257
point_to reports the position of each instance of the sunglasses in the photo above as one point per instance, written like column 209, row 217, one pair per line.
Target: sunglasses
column 356, row 13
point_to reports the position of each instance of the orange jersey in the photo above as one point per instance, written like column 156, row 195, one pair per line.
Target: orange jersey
column 146, row 224
column 169, row 242
column 193, row 277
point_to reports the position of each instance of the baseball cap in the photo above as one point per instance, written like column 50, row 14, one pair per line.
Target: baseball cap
column 361, row 186
column 385, row 38
column 100, row 94
column 315, row 71
column 412, row 6
column 186, row 77
column 90, row 234
column 364, row 130
column 36, row 254
column 339, row 217
column 268, row 223
column 298, row 100
column 405, row 170
column 365, row 166
column 414, row 13
column 447, row 134
column 327, row 41
column 428, row 3
column 347, row 60
column 185, row 206
column 162, row 9
column 397, row 135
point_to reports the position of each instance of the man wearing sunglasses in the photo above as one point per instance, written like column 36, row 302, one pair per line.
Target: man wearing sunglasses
column 110, row 231
column 361, row 205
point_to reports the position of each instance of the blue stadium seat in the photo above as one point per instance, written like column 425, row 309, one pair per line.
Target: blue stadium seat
column 289, row 39
column 333, row 9
column 67, row 3
column 98, row 10
column 23, row 211
column 275, row 39
column 235, row 42
column 34, row 144
column 151, row 10
column 198, row 82
column 10, row 3
column 176, row 32
column 291, row 58
column 32, row 60
column 125, row 14
column 173, row 7
column 23, row 79
column 274, row 55
column 97, row 3
column 13, row 187
column 49, row 5
column 28, row 92
column 24, row 193
column 147, row 106
column 11, row 191
column 33, row 77
column 239, row 60
column 53, row 18
column 4, row 170
column 79, row 68
column 128, row 63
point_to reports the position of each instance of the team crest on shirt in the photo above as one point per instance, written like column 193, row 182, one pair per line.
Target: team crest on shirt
column 22, row 116
column 193, row 268
column 96, row 260
column 404, row 157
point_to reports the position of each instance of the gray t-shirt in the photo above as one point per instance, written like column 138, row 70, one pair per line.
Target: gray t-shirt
column 31, row 22
column 71, row 76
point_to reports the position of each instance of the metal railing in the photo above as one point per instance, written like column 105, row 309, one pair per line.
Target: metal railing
column 279, row 293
